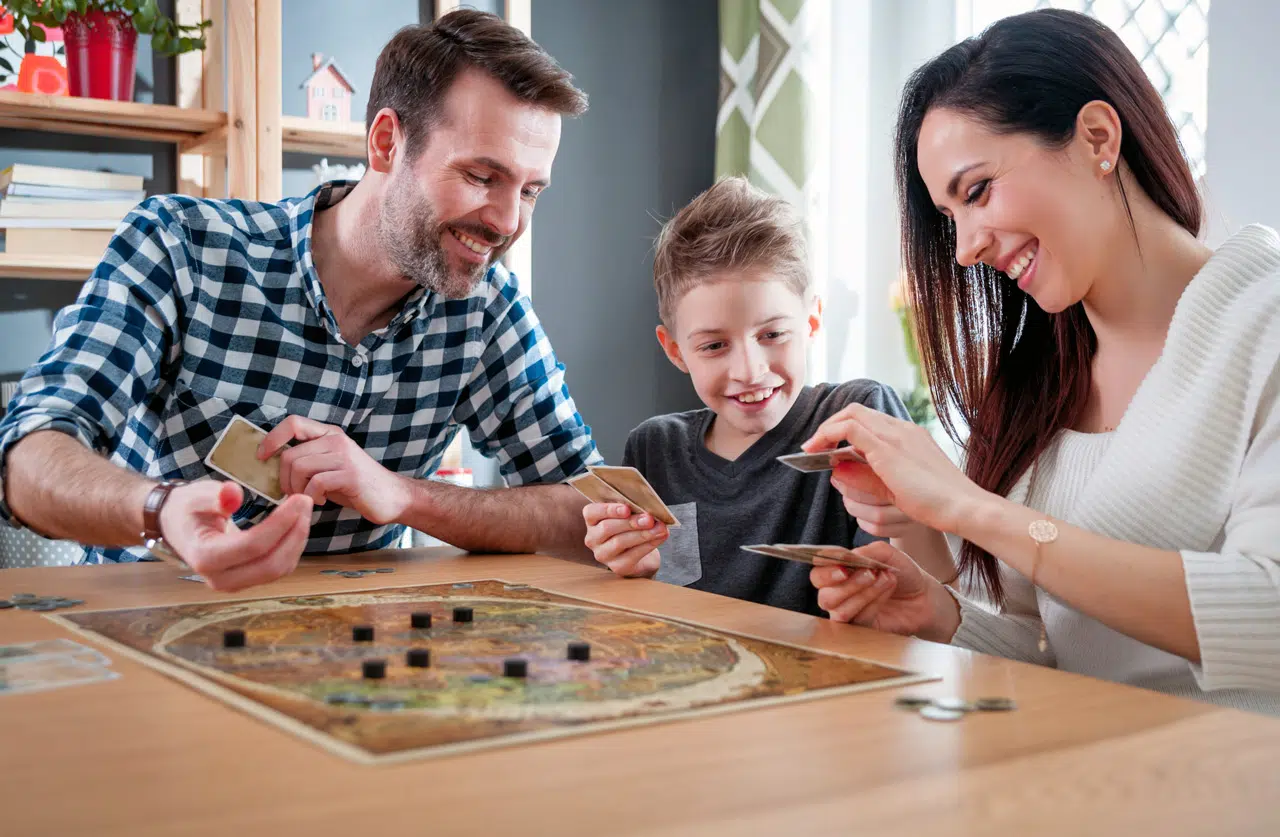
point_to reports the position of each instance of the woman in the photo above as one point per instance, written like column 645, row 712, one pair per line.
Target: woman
column 1120, row 500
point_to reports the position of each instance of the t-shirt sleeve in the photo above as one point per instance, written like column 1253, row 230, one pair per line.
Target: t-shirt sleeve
column 883, row 398
column 631, row 452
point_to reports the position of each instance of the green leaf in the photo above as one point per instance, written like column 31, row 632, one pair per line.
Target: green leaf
column 8, row 68
column 37, row 34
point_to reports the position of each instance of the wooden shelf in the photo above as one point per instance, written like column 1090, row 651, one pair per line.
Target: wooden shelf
column 102, row 118
column 70, row 268
column 333, row 139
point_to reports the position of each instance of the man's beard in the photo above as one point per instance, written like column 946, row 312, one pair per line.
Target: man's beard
column 413, row 238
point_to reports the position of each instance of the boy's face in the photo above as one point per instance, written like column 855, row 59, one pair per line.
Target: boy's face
column 743, row 342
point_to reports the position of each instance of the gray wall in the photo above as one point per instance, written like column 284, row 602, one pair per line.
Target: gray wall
column 646, row 147
column 1241, row 175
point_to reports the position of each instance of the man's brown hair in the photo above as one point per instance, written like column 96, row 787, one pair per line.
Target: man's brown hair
column 733, row 227
column 418, row 66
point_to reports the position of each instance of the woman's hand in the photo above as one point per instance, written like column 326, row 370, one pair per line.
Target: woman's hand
column 911, row 474
column 904, row 601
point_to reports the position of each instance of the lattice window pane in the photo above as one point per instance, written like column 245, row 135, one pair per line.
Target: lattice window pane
column 1170, row 39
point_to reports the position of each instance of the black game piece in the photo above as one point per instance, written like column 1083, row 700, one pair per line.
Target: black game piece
column 233, row 639
column 462, row 614
column 418, row 658
column 515, row 668
column 362, row 633
column 420, row 620
column 374, row 669
column 579, row 651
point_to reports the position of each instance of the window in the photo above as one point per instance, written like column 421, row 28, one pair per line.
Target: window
column 317, row 92
column 1169, row 37
column 338, row 92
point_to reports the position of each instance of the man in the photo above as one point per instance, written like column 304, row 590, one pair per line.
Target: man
column 365, row 323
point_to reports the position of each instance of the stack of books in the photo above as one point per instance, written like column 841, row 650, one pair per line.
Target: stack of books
column 47, row 211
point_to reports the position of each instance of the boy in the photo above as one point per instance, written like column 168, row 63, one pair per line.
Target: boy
column 737, row 317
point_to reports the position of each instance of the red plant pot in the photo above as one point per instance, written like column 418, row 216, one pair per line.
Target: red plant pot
column 102, row 52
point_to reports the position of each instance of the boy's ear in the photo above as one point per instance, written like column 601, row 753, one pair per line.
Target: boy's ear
column 672, row 350
column 815, row 316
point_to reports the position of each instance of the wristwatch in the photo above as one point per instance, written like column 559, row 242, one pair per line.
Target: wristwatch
column 152, row 537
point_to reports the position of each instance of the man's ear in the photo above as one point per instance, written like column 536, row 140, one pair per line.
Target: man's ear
column 671, row 349
column 385, row 141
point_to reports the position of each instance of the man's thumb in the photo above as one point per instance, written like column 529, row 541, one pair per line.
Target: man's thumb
column 230, row 496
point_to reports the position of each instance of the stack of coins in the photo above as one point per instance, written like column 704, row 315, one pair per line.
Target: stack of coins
column 952, row 708
column 42, row 604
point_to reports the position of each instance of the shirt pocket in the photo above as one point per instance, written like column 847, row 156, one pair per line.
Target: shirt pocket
column 681, row 561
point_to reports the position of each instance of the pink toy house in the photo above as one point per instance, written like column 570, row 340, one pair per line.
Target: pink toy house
column 328, row 91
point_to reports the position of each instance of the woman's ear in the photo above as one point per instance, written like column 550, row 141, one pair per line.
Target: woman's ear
column 1098, row 128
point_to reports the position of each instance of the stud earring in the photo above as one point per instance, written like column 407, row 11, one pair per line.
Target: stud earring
column 1105, row 165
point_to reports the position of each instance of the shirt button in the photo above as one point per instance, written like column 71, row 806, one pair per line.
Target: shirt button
column 357, row 361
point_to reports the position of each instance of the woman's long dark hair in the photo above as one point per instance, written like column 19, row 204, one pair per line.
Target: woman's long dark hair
column 1014, row 374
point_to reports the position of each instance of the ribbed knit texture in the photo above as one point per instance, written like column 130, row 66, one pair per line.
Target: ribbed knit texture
column 1194, row 467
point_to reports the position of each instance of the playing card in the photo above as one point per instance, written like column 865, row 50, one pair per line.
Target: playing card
column 53, row 648
column 598, row 491
column 236, row 456
column 825, row 460
column 631, row 484
column 40, row 672
column 196, row 577
column 818, row 555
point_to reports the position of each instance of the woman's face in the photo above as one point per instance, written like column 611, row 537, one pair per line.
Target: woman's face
column 1043, row 217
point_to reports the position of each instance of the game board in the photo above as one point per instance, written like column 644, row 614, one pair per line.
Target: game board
column 301, row 669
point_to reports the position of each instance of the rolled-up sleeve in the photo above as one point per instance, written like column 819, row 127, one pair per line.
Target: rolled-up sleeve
column 108, row 347
column 517, row 409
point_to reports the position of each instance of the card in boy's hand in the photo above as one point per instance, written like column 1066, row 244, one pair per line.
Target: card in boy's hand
column 598, row 491
column 818, row 555
column 825, row 460
column 632, row 485
column 236, row 456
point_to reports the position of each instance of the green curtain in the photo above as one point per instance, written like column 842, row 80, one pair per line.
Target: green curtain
column 764, row 124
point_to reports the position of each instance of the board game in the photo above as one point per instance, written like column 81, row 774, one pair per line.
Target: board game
column 403, row 673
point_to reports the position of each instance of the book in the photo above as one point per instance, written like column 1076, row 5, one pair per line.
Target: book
column 61, row 242
column 37, row 208
column 71, row 178
column 59, row 223
column 73, row 193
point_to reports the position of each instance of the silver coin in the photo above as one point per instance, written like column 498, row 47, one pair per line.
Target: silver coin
column 385, row 570
column 351, row 574
column 994, row 704
column 23, row 597
column 937, row 713
column 29, row 605
column 330, row 572
column 5, row 604
column 45, row 607
column 912, row 701
column 953, row 704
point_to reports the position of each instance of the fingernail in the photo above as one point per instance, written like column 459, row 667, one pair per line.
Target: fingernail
column 840, row 575
column 619, row 510
column 884, row 580
column 865, row 576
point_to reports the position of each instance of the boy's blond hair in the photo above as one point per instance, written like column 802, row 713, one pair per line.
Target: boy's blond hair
column 733, row 227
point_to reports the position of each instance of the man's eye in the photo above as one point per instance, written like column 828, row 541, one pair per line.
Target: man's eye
column 479, row 179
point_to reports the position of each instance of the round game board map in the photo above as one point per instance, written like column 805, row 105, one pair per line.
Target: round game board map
column 301, row 668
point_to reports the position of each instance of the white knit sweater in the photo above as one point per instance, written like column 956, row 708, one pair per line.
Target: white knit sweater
column 1193, row 467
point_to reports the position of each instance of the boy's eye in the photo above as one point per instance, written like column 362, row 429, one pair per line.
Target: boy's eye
column 712, row 347
column 774, row 335
column 977, row 191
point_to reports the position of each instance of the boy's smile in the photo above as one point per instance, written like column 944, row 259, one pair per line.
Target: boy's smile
column 743, row 340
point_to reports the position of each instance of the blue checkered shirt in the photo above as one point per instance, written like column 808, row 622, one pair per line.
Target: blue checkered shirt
column 202, row 309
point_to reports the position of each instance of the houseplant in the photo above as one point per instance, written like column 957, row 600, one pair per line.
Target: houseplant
column 101, row 38
column 917, row 400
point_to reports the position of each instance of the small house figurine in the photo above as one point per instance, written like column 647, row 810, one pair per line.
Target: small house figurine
column 328, row 91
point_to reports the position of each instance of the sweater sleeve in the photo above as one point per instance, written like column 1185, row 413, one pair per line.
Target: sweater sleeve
column 1235, row 592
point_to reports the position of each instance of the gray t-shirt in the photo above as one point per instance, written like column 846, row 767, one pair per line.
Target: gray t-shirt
column 725, row 505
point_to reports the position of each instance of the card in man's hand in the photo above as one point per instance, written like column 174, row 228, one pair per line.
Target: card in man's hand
column 818, row 556
column 825, row 460
column 236, row 456
column 619, row 484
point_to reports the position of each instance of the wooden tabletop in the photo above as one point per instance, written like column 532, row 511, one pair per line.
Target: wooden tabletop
column 144, row 754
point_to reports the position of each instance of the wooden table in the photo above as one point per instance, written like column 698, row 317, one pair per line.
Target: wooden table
column 144, row 754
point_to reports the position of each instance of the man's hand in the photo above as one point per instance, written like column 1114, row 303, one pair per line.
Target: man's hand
column 196, row 523
column 326, row 464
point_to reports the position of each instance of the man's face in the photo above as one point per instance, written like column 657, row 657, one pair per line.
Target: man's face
column 452, row 210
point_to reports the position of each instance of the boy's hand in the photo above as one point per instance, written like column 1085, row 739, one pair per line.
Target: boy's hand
column 624, row 542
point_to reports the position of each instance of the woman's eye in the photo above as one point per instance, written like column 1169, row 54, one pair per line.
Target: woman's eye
column 979, row 189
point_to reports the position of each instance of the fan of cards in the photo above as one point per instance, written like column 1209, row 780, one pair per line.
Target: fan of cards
column 619, row 484
column 818, row 556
